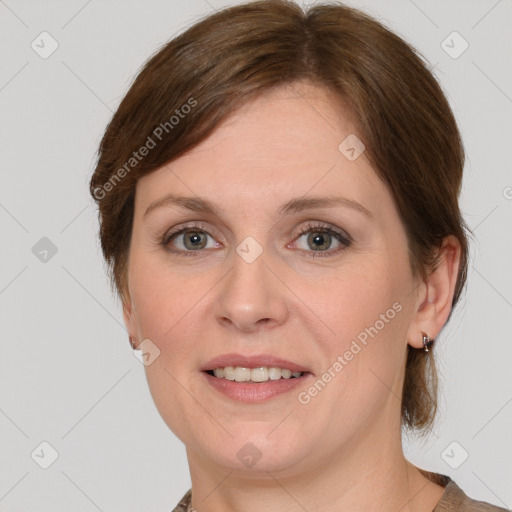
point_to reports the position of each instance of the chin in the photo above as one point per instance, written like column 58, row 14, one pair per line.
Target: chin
column 259, row 453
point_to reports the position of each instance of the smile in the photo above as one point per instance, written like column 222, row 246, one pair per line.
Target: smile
column 261, row 374
column 254, row 391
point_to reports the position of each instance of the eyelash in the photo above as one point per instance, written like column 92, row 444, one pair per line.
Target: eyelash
column 342, row 237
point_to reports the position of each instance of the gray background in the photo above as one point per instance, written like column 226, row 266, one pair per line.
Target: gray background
column 67, row 373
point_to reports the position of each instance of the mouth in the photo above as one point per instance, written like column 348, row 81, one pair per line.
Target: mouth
column 253, row 368
column 254, row 375
column 253, row 378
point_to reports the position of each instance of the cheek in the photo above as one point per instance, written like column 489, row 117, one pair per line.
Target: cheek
column 367, row 317
column 165, row 305
column 364, row 350
column 356, row 300
column 163, row 298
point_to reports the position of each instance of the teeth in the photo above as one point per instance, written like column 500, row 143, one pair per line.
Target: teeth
column 261, row 374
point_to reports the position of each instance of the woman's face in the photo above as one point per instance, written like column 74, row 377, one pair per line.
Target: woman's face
column 246, row 282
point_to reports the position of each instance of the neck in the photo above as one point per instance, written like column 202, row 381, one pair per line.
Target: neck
column 368, row 473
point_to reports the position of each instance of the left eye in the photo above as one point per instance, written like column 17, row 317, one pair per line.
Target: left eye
column 320, row 238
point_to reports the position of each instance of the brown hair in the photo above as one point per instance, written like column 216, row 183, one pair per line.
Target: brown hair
column 201, row 76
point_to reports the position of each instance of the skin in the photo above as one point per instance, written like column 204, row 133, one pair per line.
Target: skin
column 308, row 310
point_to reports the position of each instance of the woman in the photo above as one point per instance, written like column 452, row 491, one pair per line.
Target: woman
column 278, row 199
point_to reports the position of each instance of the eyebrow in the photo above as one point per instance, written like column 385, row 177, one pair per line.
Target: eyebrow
column 296, row 205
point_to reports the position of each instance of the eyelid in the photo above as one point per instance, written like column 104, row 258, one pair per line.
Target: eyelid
column 182, row 229
column 339, row 234
column 325, row 226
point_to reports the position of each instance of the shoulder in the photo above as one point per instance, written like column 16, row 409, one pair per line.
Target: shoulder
column 184, row 504
column 454, row 499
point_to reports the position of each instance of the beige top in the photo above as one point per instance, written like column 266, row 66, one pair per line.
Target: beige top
column 453, row 499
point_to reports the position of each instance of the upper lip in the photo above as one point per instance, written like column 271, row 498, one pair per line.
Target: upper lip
column 254, row 361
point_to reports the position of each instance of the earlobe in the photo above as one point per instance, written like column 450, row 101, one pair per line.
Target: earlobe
column 128, row 321
column 435, row 299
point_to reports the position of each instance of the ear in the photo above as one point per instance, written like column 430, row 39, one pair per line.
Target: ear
column 129, row 319
column 436, row 294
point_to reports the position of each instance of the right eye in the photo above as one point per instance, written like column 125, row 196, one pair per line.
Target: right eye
column 193, row 239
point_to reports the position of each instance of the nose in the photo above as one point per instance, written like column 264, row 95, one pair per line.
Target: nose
column 252, row 297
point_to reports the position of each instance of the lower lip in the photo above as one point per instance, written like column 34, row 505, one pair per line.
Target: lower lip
column 254, row 391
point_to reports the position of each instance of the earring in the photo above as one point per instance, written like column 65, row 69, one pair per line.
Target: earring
column 427, row 342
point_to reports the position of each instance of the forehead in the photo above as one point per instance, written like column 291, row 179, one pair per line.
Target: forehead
column 300, row 119
column 285, row 143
